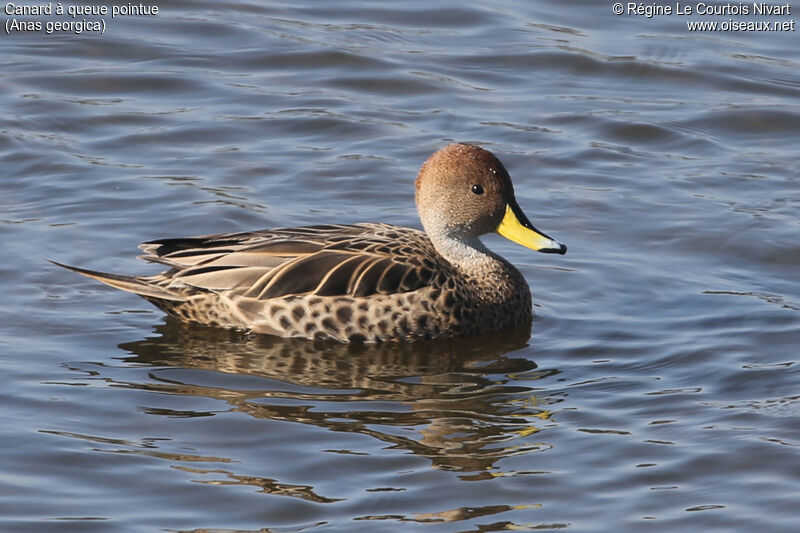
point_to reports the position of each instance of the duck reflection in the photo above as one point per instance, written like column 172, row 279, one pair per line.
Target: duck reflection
column 463, row 403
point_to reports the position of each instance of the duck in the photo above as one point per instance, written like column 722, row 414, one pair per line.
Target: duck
column 366, row 282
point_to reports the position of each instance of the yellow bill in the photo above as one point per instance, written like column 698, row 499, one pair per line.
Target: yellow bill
column 516, row 227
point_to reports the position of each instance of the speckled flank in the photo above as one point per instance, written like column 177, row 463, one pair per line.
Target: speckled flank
column 361, row 282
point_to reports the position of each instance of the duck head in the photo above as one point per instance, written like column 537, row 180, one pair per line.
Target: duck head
column 463, row 191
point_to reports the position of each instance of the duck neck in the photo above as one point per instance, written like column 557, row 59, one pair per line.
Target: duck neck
column 492, row 279
column 464, row 253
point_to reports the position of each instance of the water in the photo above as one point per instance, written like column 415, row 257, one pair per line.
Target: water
column 657, row 390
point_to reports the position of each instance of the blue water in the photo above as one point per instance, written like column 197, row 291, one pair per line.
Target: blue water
column 657, row 389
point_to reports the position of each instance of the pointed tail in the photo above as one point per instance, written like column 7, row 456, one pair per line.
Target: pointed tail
column 132, row 284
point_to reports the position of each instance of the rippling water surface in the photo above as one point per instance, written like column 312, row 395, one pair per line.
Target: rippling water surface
column 657, row 391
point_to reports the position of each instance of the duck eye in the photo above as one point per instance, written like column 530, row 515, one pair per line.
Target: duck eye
column 477, row 189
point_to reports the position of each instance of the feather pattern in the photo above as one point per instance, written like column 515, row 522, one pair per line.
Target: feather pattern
column 344, row 260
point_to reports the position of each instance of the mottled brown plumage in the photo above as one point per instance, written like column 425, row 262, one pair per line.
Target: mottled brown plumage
column 361, row 282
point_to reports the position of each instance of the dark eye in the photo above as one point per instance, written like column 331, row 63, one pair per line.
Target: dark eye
column 477, row 189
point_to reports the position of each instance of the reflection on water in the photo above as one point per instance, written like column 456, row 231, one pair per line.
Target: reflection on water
column 468, row 401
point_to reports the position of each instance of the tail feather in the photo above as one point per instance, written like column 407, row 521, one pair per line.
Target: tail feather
column 132, row 284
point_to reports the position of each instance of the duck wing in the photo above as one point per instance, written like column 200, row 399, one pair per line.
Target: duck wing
column 327, row 260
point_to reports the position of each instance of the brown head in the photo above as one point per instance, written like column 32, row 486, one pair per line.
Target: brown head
column 463, row 191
